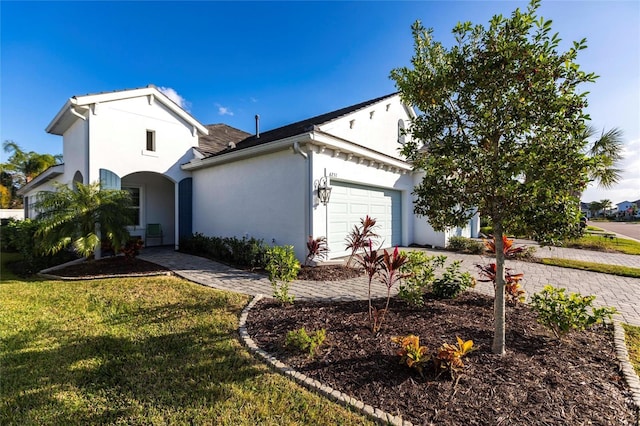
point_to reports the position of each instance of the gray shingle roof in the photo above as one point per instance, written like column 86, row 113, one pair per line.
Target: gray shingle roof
column 296, row 128
column 219, row 137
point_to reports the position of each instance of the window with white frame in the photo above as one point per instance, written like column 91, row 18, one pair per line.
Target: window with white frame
column 135, row 204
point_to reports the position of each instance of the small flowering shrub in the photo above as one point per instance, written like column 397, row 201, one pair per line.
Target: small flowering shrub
column 132, row 248
column 306, row 342
column 561, row 313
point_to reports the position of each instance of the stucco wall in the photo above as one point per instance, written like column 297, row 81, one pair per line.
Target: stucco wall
column 262, row 197
column 378, row 131
column 74, row 152
column 118, row 139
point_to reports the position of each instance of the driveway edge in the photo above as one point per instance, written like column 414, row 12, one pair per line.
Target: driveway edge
column 628, row 372
column 376, row 414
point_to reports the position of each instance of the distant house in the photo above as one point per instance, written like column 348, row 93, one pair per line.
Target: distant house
column 221, row 181
column 627, row 209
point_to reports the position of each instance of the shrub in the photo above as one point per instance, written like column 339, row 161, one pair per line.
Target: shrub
column 448, row 358
column 283, row 268
column 453, row 282
column 419, row 274
column 132, row 247
column 361, row 236
column 513, row 290
column 561, row 313
column 316, row 248
column 465, row 245
column 305, row 342
column 510, row 251
column 241, row 253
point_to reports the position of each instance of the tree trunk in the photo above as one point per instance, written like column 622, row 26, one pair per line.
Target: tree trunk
column 498, row 306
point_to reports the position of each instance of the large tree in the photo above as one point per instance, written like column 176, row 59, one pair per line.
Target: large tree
column 500, row 128
column 21, row 167
column 83, row 216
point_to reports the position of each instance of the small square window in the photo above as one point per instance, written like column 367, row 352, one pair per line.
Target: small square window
column 151, row 140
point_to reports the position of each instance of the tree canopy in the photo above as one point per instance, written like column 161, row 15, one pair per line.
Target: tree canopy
column 500, row 129
column 21, row 167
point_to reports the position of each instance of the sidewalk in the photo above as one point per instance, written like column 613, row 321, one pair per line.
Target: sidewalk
column 611, row 290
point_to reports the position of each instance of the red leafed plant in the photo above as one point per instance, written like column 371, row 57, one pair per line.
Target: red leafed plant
column 371, row 262
column 387, row 266
column 510, row 251
column 359, row 236
column 513, row 290
column 389, row 275
column 317, row 248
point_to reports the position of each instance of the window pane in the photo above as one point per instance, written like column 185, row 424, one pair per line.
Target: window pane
column 151, row 141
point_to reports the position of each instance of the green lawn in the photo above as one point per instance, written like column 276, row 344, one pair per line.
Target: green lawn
column 623, row 271
column 632, row 337
column 156, row 350
column 594, row 228
column 596, row 242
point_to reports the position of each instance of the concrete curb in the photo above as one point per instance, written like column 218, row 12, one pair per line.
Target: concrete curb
column 376, row 414
column 628, row 372
column 104, row 277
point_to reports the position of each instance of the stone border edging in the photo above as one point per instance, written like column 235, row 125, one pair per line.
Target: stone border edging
column 628, row 372
column 104, row 277
column 376, row 414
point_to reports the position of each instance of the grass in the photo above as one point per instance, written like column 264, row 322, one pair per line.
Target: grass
column 623, row 271
column 156, row 350
column 594, row 228
column 632, row 337
column 595, row 242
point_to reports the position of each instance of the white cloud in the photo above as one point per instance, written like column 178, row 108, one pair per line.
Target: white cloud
column 222, row 110
column 629, row 187
column 175, row 97
column 253, row 100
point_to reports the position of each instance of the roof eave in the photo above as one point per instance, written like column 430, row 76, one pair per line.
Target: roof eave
column 43, row 177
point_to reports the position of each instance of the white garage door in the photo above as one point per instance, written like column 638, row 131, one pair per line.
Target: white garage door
column 349, row 203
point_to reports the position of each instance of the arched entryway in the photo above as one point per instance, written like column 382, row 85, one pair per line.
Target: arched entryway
column 153, row 203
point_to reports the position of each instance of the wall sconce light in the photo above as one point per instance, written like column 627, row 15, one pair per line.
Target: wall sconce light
column 324, row 190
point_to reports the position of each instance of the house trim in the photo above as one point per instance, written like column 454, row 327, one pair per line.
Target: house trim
column 43, row 177
column 319, row 142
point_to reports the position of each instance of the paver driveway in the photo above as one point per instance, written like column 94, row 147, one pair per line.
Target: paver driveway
column 611, row 290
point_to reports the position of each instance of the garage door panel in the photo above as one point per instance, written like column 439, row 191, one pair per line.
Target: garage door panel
column 349, row 203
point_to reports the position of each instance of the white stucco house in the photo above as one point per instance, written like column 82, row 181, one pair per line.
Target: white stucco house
column 221, row 181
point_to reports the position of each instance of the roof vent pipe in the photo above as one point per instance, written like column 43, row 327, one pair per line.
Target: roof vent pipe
column 257, row 126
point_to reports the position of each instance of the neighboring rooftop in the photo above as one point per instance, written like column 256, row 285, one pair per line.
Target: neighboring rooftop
column 219, row 137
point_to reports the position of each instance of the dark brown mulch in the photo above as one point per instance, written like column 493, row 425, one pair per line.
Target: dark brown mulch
column 117, row 265
column 328, row 273
column 539, row 381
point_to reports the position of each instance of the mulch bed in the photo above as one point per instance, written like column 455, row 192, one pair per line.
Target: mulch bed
column 109, row 266
column 539, row 381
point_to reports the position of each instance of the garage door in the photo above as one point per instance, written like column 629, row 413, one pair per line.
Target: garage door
column 349, row 203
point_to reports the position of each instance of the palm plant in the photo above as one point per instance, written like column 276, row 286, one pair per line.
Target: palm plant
column 606, row 153
column 606, row 205
column 24, row 166
column 82, row 217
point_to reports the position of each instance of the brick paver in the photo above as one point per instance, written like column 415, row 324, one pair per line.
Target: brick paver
column 611, row 290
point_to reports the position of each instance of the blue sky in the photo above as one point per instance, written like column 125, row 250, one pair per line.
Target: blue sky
column 285, row 61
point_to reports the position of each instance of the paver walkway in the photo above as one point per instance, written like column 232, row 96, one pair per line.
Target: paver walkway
column 611, row 290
